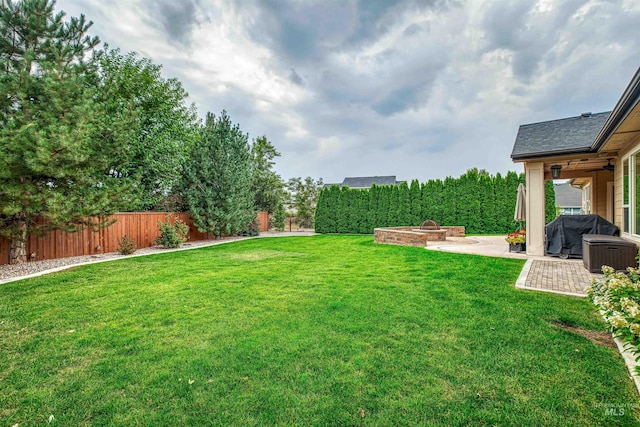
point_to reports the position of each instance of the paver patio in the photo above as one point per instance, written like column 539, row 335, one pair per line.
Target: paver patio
column 546, row 274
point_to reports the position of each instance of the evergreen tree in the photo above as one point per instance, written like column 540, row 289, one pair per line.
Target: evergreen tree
column 363, row 222
column 393, row 220
column 416, row 203
column 372, row 211
column 382, row 209
column 322, row 208
column 354, row 211
column 344, row 210
column 218, row 178
column 550, row 201
column 404, row 205
column 448, row 205
column 332, row 213
column 62, row 136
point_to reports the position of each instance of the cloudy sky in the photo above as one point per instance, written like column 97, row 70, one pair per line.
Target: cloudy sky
column 418, row 89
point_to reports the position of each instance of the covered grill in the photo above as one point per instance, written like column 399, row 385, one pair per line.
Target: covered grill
column 564, row 234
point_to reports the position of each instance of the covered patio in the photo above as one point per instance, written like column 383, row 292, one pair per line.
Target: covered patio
column 599, row 153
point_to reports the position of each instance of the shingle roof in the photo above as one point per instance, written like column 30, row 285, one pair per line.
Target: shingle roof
column 568, row 196
column 570, row 135
column 368, row 181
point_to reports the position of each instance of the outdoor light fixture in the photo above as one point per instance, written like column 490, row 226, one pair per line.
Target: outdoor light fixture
column 555, row 171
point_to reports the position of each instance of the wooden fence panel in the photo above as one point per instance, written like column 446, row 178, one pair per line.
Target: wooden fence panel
column 142, row 227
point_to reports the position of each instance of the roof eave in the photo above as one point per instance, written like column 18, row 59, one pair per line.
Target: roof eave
column 629, row 99
column 542, row 154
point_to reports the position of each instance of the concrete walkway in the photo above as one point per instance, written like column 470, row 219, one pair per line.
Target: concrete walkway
column 545, row 274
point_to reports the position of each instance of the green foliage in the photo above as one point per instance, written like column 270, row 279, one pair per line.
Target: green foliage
column 165, row 126
column 63, row 134
column 404, row 205
column 277, row 218
column 617, row 297
column 483, row 203
column 172, row 235
column 267, row 185
column 303, row 196
column 253, row 229
column 415, row 217
column 218, row 178
column 126, row 245
column 550, row 201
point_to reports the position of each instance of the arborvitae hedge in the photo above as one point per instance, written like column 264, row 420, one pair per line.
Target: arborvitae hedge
column 481, row 202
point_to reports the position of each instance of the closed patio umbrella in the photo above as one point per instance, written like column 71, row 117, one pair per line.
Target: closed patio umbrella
column 521, row 211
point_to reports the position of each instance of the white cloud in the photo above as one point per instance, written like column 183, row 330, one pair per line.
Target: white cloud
column 345, row 89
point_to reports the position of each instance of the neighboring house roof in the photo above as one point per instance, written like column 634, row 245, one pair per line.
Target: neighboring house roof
column 568, row 196
column 570, row 135
column 367, row 181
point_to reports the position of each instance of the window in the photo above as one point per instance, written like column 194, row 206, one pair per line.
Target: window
column 631, row 194
column 626, row 215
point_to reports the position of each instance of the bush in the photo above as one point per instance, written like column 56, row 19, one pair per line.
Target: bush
column 171, row 236
column 252, row 230
column 618, row 299
column 126, row 245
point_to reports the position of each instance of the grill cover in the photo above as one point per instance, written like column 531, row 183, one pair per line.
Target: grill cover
column 564, row 234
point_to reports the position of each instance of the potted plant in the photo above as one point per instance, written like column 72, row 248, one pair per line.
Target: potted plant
column 517, row 241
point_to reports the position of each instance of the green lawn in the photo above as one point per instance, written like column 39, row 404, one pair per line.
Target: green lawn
column 323, row 330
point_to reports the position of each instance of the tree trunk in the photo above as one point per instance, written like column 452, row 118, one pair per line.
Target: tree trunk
column 18, row 248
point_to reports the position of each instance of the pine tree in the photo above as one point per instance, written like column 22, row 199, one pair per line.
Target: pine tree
column 218, row 178
column 61, row 133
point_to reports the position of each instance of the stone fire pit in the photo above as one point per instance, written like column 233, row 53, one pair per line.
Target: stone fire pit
column 415, row 236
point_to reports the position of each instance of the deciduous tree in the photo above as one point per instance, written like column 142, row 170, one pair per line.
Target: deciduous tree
column 165, row 130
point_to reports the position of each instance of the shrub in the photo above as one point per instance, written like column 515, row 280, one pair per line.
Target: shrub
column 172, row 235
column 252, row 230
column 617, row 297
column 126, row 245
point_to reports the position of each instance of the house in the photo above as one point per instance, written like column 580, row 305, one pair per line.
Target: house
column 367, row 181
column 599, row 152
column 568, row 199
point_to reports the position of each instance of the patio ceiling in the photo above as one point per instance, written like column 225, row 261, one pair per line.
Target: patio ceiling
column 584, row 165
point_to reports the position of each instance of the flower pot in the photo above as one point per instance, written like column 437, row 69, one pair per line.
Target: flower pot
column 517, row 247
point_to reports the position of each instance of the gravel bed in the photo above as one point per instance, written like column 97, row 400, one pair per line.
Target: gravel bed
column 12, row 272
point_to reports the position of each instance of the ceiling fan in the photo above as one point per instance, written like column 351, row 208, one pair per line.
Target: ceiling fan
column 608, row 167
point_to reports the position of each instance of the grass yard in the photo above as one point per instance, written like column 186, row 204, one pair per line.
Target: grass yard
column 323, row 330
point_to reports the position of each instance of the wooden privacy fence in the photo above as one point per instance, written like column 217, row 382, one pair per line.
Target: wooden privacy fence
column 142, row 227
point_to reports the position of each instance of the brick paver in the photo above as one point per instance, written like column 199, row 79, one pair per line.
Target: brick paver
column 567, row 277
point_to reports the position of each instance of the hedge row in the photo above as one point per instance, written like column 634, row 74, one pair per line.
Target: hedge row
column 483, row 203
